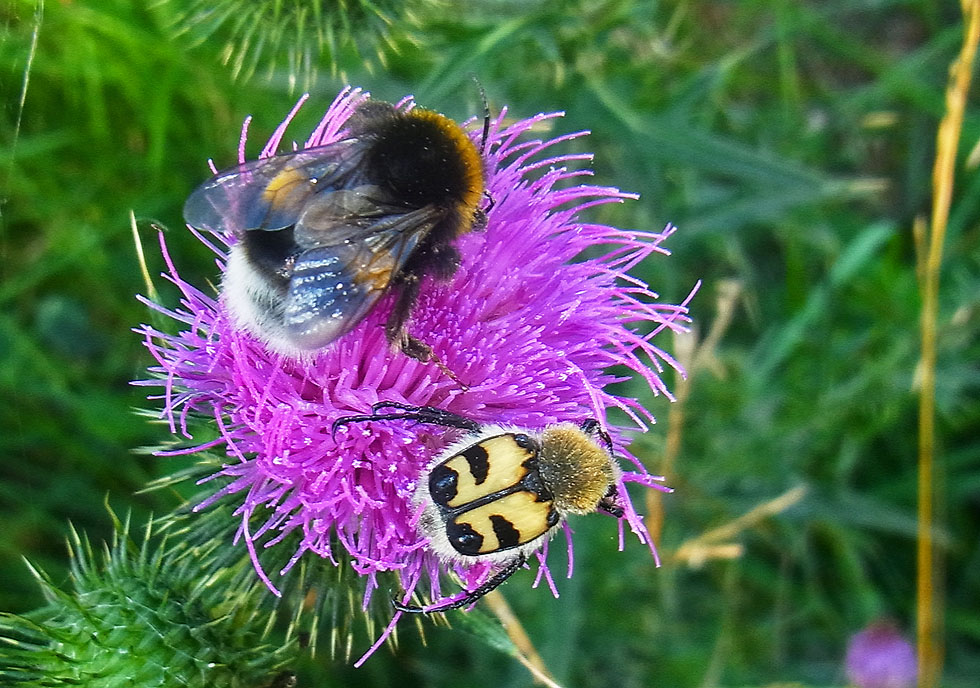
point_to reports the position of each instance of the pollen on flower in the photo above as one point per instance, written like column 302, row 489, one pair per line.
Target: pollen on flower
column 542, row 306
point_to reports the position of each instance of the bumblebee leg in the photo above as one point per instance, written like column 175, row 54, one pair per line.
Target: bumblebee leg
column 421, row 414
column 423, row 352
column 417, row 349
column 408, row 294
column 410, row 346
column 471, row 596
column 481, row 215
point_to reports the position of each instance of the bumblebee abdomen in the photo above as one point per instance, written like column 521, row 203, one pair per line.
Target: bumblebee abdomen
column 270, row 253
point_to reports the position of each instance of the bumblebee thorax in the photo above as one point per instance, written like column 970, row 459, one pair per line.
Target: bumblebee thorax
column 578, row 471
column 422, row 157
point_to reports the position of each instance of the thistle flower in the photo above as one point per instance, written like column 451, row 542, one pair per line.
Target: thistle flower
column 879, row 657
column 540, row 310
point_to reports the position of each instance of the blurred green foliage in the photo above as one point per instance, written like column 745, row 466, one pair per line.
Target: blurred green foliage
column 792, row 144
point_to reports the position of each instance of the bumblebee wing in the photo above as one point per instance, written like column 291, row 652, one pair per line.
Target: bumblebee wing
column 333, row 287
column 271, row 193
column 355, row 214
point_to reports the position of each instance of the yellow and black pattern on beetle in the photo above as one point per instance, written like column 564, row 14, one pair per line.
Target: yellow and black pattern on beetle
column 481, row 470
column 491, row 495
column 507, row 522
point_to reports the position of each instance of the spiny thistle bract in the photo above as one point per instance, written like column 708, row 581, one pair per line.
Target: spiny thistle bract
column 257, row 36
column 539, row 320
column 143, row 616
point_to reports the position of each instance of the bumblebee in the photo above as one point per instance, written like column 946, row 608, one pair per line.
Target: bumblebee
column 499, row 492
column 323, row 233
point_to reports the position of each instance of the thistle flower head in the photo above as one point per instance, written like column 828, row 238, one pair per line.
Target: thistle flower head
column 540, row 319
column 879, row 657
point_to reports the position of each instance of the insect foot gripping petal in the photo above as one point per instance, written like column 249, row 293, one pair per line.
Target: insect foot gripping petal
column 469, row 597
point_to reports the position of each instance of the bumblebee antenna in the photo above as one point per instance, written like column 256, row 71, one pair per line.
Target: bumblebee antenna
column 480, row 216
column 486, row 115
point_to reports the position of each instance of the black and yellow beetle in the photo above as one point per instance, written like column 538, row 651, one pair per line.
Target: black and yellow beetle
column 500, row 492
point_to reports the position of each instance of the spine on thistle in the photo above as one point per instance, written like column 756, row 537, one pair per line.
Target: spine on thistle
column 145, row 615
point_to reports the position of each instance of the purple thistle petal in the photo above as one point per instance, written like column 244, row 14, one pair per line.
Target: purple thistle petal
column 527, row 323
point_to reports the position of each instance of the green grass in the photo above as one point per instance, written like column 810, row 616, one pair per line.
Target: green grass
column 792, row 143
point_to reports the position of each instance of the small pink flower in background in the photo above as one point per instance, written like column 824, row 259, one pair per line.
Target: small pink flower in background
column 879, row 657
column 540, row 319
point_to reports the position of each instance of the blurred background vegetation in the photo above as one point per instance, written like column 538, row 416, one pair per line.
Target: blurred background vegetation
column 791, row 142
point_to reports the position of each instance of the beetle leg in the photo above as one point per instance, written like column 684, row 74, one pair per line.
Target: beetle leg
column 421, row 414
column 471, row 596
column 592, row 427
